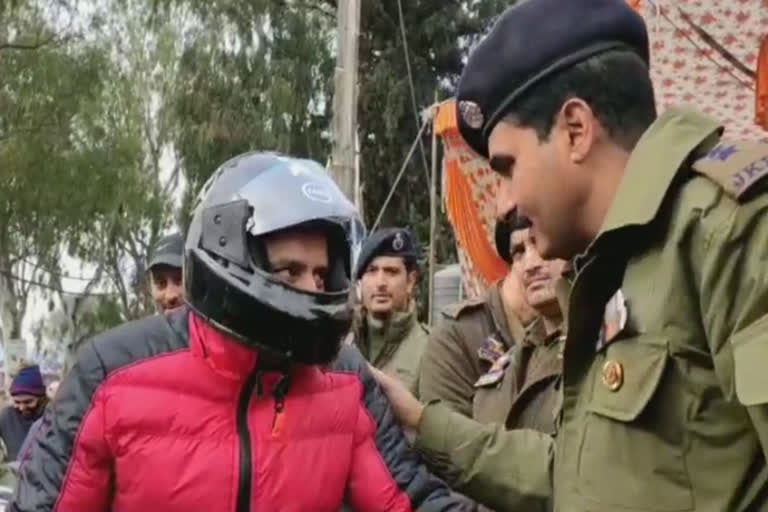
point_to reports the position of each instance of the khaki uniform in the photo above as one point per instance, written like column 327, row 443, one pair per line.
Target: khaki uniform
column 395, row 347
column 484, row 364
column 665, row 403
column 452, row 363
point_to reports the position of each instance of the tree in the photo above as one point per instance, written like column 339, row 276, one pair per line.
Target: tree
column 259, row 76
column 439, row 35
column 48, row 84
column 256, row 77
column 84, row 135
column 138, row 101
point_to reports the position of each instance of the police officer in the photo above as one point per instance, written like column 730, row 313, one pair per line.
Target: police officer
column 469, row 338
column 387, row 329
column 665, row 393
column 516, row 381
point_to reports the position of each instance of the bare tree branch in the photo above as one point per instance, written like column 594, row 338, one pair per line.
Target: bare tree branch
column 37, row 44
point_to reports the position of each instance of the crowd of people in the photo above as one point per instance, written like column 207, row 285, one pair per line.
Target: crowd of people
column 617, row 366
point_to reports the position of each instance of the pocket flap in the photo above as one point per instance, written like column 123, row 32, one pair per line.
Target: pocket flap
column 640, row 363
column 750, row 354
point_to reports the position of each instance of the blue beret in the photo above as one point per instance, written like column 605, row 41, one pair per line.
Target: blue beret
column 385, row 242
column 530, row 41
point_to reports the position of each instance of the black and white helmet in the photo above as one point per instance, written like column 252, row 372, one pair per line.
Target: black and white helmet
column 226, row 273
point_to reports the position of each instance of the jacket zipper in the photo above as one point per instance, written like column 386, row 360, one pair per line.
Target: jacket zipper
column 281, row 389
column 244, row 435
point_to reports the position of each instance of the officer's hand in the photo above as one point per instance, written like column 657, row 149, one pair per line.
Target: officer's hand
column 407, row 407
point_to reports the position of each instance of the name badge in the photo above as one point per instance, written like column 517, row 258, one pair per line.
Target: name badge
column 614, row 320
column 495, row 373
column 491, row 350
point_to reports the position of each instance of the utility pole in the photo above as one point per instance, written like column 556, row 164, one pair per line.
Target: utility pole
column 345, row 99
column 433, row 209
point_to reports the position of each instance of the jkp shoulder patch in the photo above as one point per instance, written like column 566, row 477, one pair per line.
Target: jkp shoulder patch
column 735, row 166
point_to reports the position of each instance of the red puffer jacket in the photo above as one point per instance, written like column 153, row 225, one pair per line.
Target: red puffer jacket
column 195, row 426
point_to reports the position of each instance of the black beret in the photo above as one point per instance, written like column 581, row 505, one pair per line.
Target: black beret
column 530, row 41
column 503, row 233
column 386, row 242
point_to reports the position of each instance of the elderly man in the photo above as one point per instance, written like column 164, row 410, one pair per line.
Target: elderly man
column 482, row 363
column 472, row 336
column 28, row 396
column 387, row 328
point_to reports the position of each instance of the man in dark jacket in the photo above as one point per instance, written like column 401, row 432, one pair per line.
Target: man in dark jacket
column 28, row 395
column 68, row 461
column 164, row 271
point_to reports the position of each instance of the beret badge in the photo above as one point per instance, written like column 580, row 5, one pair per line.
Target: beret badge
column 398, row 243
column 471, row 114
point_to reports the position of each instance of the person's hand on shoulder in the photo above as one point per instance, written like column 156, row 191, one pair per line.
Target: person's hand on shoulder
column 407, row 407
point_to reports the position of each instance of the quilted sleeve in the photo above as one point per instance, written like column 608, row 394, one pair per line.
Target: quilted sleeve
column 371, row 487
column 426, row 492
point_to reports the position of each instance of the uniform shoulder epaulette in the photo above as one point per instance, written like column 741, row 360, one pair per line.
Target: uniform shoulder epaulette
column 735, row 166
column 455, row 310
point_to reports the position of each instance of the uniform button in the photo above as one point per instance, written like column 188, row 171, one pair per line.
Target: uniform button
column 613, row 375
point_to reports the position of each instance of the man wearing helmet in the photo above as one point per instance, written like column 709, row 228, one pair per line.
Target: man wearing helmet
column 229, row 404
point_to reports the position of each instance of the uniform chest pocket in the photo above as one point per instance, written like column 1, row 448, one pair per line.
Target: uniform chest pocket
column 631, row 451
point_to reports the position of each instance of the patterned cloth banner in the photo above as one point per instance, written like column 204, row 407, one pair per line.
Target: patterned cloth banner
column 688, row 66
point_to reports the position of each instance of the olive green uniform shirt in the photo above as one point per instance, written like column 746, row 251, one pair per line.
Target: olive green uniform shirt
column 487, row 366
column 665, row 401
column 461, row 350
column 396, row 346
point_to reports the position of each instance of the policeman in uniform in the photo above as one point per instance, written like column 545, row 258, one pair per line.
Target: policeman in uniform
column 665, row 396
column 476, row 366
column 387, row 329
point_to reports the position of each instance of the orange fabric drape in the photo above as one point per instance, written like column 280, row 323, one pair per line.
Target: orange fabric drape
column 445, row 118
column 462, row 170
column 468, row 227
column 761, row 86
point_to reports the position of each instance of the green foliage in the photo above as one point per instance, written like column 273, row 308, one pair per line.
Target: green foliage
column 100, row 114
column 50, row 86
column 272, row 90
column 81, row 139
column 261, row 84
column 439, row 34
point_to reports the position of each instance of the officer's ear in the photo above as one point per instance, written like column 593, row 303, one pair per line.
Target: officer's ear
column 577, row 127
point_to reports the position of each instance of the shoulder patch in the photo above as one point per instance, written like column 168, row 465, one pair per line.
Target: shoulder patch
column 735, row 166
column 455, row 310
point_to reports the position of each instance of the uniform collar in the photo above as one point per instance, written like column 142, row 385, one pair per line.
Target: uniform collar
column 654, row 165
column 394, row 329
column 509, row 326
column 563, row 292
